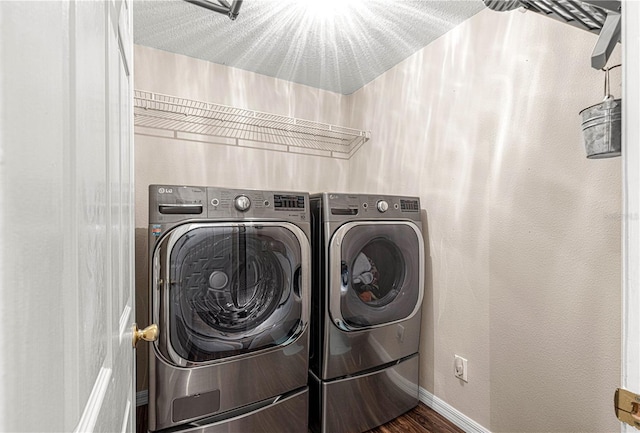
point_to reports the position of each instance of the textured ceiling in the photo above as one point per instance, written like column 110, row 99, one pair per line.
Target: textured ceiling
column 335, row 45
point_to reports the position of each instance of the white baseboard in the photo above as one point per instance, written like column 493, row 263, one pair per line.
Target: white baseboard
column 450, row 413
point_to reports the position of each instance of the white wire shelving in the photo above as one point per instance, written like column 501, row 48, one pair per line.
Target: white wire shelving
column 602, row 17
column 181, row 115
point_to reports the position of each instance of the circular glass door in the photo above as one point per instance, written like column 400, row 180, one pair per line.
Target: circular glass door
column 377, row 272
column 380, row 273
column 233, row 289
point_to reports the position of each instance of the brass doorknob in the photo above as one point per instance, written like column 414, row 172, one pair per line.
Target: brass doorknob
column 150, row 333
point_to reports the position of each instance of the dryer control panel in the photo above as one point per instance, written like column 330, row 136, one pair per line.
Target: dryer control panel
column 342, row 207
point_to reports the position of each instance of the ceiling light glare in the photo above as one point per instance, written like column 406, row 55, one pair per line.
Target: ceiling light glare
column 328, row 9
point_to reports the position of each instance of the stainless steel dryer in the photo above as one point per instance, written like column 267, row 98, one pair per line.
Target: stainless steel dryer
column 368, row 278
column 229, row 287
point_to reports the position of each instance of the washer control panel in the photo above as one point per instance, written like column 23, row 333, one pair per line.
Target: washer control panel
column 178, row 203
column 250, row 204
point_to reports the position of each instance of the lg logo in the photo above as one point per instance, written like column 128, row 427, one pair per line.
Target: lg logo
column 165, row 190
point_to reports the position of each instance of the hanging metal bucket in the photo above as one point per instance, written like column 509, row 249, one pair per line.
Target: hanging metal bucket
column 602, row 126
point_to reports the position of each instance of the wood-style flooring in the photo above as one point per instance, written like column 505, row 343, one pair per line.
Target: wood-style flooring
column 422, row 419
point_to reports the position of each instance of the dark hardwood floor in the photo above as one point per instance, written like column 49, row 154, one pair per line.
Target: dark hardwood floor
column 422, row 419
column 142, row 414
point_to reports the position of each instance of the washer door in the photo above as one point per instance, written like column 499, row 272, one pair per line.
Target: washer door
column 225, row 289
column 377, row 273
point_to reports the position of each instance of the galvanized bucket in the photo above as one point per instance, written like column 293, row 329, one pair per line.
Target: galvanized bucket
column 602, row 125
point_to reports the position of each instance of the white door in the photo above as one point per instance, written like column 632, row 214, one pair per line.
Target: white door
column 631, row 201
column 66, row 217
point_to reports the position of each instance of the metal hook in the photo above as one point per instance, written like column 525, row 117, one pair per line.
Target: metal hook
column 607, row 93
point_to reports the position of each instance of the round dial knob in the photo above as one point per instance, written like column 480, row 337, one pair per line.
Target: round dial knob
column 382, row 205
column 242, row 203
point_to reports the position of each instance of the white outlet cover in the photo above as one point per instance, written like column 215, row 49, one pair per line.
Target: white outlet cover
column 460, row 368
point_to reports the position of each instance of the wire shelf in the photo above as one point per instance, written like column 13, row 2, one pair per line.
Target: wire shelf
column 602, row 17
column 154, row 110
column 573, row 12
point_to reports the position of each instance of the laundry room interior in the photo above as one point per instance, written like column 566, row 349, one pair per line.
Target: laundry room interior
column 522, row 232
column 332, row 216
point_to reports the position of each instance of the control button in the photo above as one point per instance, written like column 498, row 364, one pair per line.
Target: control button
column 365, row 205
column 215, row 202
column 242, row 203
column 382, row 205
column 395, row 206
column 266, row 203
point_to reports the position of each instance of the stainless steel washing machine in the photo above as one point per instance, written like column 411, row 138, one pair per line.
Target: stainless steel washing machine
column 230, row 292
column 368, row 279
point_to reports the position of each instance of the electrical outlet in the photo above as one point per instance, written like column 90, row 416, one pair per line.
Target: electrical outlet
column 460, row 368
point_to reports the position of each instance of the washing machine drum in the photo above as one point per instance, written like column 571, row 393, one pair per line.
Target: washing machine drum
column 380, row 274
column 233, row 290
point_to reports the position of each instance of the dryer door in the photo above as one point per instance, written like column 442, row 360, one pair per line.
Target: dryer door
column 377, row 273
column 227, row 289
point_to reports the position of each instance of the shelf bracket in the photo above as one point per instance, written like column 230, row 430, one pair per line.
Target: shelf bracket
column 222, row 6
column 609, row 36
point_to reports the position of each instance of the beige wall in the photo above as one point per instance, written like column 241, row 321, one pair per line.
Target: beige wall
column 523, row 230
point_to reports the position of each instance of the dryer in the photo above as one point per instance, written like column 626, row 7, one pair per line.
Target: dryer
column 367, row 290
column 229, row 290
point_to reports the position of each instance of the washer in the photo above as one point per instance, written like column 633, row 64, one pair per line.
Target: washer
column 368, row 283
column 230, row 292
